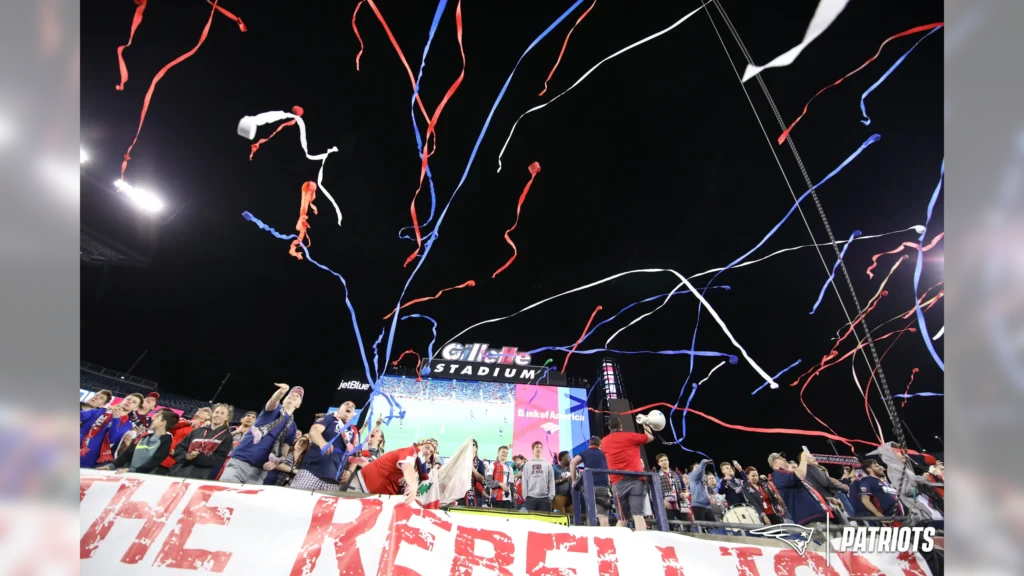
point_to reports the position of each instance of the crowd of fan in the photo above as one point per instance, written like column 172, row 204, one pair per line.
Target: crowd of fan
column 437, row 389
column 267, row 448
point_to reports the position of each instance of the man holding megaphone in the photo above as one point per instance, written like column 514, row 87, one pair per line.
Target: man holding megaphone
column 622, row 450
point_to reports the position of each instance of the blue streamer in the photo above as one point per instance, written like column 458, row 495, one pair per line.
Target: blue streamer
column 835, row 266
column 922, row 394
column 920, row 265
column 867, row 121
column 693, row 344
column 415, row 126
column 376, row 364
column 776, row 377
column 616, row 315
column 430, row 347
column 432, row 237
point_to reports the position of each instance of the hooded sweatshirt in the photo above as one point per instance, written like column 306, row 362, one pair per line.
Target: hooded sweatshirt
column 213, row 446
column 146, row 454
column 180, row 431
column 538, row 480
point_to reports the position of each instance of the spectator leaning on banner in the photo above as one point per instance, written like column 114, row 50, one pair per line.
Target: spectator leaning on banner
column 332, row 438
column 373, row 449
column 146, row 454
column 805, row 504
column 594, row 459
column 250, row 460
column 205, row 448
column 399, row 471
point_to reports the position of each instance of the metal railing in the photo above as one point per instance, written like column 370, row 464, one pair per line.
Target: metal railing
column 583, row 491
column 119, row 376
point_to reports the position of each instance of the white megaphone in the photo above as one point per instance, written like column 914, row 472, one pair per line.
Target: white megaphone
column 655, row 419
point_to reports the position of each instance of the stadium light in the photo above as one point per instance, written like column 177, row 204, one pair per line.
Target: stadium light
column 83, row 157
column 143, row 199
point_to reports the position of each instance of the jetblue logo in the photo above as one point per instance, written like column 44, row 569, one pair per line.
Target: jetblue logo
column 353, row 385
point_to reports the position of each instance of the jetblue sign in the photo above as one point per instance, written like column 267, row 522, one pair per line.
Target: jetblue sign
column 480, row 362
column 353, row 385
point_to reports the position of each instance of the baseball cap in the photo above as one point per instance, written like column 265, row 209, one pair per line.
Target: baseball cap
column 298, row 390
column 153, row 395
column 775, row 456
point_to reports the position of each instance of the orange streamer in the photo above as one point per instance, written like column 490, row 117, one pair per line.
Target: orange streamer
column 534, row 169
column 159, row 75
column 874, row 259
column 308, row 195
column 564, row 44
column 419, row 361
column 912, row 373
column 467, row 284
column 585, row 328
column 297, row 110
column 398, row 49
column 355, row 29
column 430, row 128
column 229, row 15
column 140, row 7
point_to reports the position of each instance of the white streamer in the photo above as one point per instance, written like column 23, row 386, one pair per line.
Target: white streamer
column 697, row 385
column 824, row 16
column 682, row 280
column 627, row 48
column 939, row 334
column 247, row 129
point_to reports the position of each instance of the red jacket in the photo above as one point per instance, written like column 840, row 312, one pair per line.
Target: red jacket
column 180, row 431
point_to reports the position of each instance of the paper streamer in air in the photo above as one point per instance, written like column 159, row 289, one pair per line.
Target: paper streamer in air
column 585, row 328
column 229, row 16
column 431, row 124
column 777, row 376
column 689, row 400
column 832, row 275
column 693, row 342
column 921, row 323
column 419, row 361
column 467, row 284
column 564, row 44
column 708, row 353
column 921, row 394
column 297, row 110
column 376, row 369
column 394, row 43
column 140, row 7
column 308, row 195
column 897, row 250
column 914, row 30
column 248, row 125
column 157, row 78
column 534, row 170
column 824, row 16
column 352, row 311
column 906, row 393
column 616, row 315
column 939, row 334
column 430, row 347
column 432, row 237
column 867, row 121
column 412, row 113
column 576, row 83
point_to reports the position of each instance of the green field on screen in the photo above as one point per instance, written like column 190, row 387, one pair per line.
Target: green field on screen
column 450, row 422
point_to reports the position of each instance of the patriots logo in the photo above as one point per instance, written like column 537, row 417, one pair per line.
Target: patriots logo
column 785, row 533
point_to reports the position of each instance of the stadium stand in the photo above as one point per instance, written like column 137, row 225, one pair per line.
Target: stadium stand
column 94, row 378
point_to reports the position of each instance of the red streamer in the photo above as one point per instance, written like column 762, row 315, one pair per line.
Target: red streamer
column 308, row 195
column 140, row 7
column 431, row 124
column 534, row 169
column 232, row 17
column 585, row 328
column 794, row 431
column 419, row 361
column 564, row 44
column 914, row 30
column 355, row 29
column 398, row 49
column 912, row 373
column 159, row 75
column 297, row 110
column 914, row 245
column 467, row 284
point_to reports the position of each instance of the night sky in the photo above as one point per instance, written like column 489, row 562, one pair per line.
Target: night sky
column 655, row 161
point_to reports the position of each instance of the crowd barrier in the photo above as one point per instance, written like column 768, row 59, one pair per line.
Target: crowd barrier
column 138, row 524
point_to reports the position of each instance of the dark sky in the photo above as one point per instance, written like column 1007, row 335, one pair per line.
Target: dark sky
column 655, row 161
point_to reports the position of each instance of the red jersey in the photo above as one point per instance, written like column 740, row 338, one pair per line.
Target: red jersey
column 384, row 475
column 622, row 451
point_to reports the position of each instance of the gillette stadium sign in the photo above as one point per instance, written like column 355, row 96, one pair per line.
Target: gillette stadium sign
column 480, row 362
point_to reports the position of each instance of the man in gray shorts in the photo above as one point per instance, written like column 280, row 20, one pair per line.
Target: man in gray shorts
column 622, row 451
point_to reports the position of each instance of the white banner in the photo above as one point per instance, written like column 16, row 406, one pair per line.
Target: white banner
column 135, row 524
